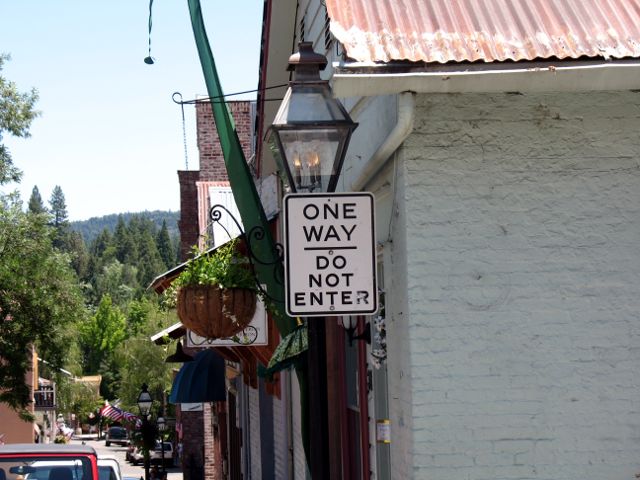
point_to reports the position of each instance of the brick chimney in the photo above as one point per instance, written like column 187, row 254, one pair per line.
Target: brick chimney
column 212, row 166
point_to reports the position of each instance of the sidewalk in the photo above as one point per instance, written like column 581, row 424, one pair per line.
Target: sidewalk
column 85, row 436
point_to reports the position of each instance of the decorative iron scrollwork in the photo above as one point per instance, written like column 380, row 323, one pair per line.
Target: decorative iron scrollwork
column 256, row 233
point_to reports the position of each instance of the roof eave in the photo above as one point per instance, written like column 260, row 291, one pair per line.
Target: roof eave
column 358, row 79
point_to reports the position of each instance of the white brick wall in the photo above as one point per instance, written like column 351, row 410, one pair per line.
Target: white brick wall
column 516, row 351
column 280, row 434
column 254, row 432
column 299, row 459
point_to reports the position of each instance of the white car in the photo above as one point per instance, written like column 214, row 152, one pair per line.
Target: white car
column 108, row 468
column 155, row 455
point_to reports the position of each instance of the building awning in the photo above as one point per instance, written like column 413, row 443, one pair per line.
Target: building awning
column 202, row 380
column 173, row 332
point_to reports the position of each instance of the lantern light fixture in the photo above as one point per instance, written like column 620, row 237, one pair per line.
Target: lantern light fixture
column 144, row 401
column 162, row 424
column 311, row 131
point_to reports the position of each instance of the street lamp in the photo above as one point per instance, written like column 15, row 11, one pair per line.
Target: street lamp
column 144, row 404
column 162, row 425
column 309, row 139
column 311, row 131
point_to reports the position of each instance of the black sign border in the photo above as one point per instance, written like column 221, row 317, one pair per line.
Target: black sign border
column 330, row 313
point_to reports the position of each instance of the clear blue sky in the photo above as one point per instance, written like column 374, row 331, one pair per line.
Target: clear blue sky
column 109, row 133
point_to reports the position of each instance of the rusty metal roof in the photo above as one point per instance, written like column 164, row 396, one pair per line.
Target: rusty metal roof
column 485, row 30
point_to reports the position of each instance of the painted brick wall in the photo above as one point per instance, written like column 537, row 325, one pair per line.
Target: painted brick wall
column 280, row 438
column 299, row 460
column 521, row 318
column 192, row 441
column 254, row 433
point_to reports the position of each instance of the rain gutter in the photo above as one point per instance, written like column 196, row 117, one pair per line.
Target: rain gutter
column 402, row 129
column 360, row 79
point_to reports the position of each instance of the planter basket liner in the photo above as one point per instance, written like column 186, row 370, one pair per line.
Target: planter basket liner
column 214, row 312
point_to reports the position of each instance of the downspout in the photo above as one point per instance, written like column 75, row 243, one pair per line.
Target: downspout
column 402, row 129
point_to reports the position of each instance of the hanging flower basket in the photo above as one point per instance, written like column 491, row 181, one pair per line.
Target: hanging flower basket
column 214, row 312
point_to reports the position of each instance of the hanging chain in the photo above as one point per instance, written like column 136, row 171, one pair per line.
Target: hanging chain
column 184, row 127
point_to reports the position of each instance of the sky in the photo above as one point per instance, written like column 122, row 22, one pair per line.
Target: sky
column 109, row 133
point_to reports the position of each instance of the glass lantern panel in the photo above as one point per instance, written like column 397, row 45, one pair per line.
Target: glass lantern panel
column 311, row 155
column 309, row 104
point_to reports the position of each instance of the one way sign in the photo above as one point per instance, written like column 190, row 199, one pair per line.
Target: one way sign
column 330, row 263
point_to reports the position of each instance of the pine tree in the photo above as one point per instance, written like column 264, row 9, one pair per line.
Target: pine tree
column 165, row 247
column 150, row 263
column 125, row 247
column 36, row 205
column 58, row 207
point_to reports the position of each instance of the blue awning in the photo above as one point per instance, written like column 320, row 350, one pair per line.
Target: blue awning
column 202, row 380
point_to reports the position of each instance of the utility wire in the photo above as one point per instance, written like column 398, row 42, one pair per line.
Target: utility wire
column 211, row 99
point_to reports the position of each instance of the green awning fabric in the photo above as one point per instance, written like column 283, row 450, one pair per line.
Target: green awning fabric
column 248, row 201
column 202, row 380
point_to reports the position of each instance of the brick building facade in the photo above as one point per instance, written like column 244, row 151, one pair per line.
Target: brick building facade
column 204, row 432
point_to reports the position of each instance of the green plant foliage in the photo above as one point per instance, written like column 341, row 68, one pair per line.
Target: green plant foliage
column 223, row 267
column 16, row 114
column 40, row 301
column 102, row 334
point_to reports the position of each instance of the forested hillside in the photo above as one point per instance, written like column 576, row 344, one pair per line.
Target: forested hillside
column 111, row 271
column 91, row 228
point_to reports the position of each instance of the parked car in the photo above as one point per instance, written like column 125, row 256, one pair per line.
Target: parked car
column 108, row 469
column 128, row 454
column 164, row 451
column 43, row 461
column 117, row 436
column 155, row 455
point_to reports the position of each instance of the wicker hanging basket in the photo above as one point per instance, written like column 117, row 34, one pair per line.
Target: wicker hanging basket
column 214, row 312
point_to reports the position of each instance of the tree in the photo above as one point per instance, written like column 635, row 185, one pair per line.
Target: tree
column 165, row 247
column 102, row 334
column 126, row 251
column 118, row 281
column 58, row 208
column 150, row 262
column 36, row 205
column 40, row 301
column 77, row 397
column 79, row 256
column 16, row 114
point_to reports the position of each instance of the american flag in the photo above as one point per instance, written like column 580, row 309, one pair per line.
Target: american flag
column 130, row 417
column 112, row 412
column 117, row 415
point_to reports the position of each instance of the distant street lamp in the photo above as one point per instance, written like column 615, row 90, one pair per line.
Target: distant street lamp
column 144, row 404
column 162, row 425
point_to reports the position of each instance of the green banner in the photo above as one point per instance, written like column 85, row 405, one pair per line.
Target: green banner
column 246, row 196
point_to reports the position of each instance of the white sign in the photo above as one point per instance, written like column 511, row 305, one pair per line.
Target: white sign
column 330, row 263
column 255, row 334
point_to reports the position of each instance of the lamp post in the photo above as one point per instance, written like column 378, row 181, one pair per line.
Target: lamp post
column 310, row 136
column 161, row 428
column 144, row 404
column 350, row 324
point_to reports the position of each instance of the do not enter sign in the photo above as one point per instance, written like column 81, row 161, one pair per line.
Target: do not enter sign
column 330, row 263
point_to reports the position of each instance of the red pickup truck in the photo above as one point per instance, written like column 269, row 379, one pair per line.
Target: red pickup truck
column 48, row 462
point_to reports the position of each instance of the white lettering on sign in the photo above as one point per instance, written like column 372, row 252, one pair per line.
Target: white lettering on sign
column 330, row 265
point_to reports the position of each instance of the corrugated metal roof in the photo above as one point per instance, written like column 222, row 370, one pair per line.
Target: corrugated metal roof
column 485, row 30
